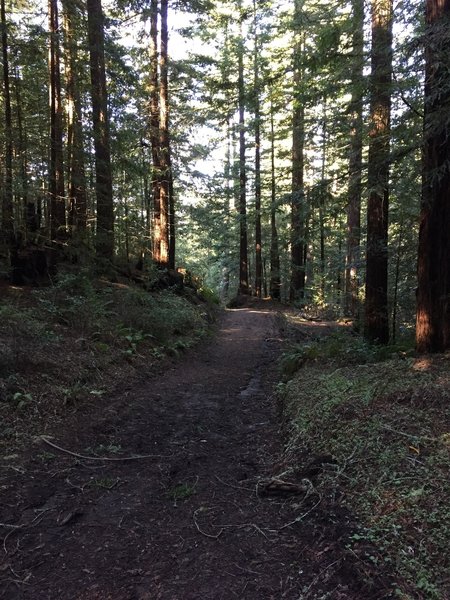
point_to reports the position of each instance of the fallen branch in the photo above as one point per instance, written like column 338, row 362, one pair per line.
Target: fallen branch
column 280, row 487
column 84, row 457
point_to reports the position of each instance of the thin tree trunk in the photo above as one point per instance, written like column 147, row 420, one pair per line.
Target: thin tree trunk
column 323, row 191
column 376, row 310
column 275, row 283
column 103, row 184
column 433, row 293
column 397, row 281
column 7, row 208
column 355, row 164
column 28, row 208
column 56, row 167
column 243, row 248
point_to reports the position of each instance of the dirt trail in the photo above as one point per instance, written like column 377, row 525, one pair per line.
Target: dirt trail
column 187, row 524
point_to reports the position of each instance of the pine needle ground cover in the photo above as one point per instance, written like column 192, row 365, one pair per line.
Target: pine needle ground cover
column 386, row 424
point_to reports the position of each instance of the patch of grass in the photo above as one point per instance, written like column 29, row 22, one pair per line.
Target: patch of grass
column 104, row 449
column 181, row 491
column 386, row 423
column 341, row 347
column 104, row 483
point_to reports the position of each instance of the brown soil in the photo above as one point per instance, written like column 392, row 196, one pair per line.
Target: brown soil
column 201, row 517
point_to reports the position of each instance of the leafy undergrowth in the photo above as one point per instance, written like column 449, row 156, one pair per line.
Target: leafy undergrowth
column 74, row 342
column 384, row 417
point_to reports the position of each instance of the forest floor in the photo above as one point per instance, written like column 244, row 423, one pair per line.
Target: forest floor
column 173, row 488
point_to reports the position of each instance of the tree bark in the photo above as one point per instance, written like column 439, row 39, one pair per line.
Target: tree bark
column 298, row 208
column 433, row 293
column 275, row 281
column 56, row 167
column 257, row 107
column 77, row 190
column 7, row 207
column 376, row 308
column 243, row 245
column 164, row 145
column 355, row 164
column 103, row 184
column 154, row 132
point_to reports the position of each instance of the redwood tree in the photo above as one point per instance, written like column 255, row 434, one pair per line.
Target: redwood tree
column 376, row 324
column 75, row 156
column 243, row 247
column 257, row 112
column 7, row 206
column 298, row 208
column 166, row 187
column 433, row 293
column 355, row 162
column 275, row 279
column 56, row 166
column 103, row 182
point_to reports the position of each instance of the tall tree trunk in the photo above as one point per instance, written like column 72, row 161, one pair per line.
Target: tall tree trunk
column 355, row 163
column 7, row 205
column 243, row 247
column 323, row 192
column 275, row 282
column 154, row 132
column 104, row 243
column 77, row 190
column 257, row 91
column 298, row 209
column 376, row 322
column 166, row 174
column 56, row 167
column 28, row 208
column 433, row 293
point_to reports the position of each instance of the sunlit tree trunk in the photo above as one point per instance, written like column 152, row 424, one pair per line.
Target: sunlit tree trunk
column 154, row 132
column 433, row 293
column 103, row 184
column 165, row 165
column 56, row 167
column 376, row 322
column 355, row 163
